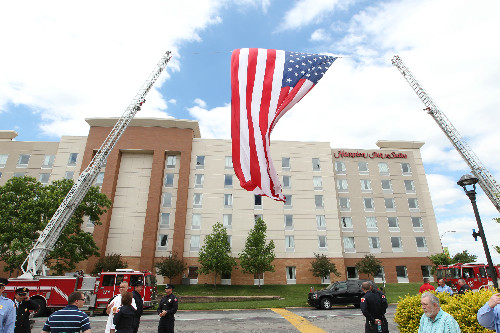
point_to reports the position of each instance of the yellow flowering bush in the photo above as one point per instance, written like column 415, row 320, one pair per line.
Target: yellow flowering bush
column 462, row 307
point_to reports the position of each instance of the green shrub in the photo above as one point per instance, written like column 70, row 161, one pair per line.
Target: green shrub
column 463, row 308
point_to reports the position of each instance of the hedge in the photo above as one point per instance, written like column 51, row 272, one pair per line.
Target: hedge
column 462, row 307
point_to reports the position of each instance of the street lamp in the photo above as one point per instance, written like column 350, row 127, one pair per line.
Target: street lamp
column 444, row 233
column 468, row 180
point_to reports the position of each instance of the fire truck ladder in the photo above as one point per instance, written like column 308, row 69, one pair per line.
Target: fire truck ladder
column 48, row 238
column 486, row 180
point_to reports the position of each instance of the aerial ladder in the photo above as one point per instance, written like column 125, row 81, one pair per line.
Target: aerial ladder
column 34, row 263
column 486, row 180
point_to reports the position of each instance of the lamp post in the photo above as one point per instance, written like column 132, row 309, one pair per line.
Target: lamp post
column 444, row 233
column 468, row 180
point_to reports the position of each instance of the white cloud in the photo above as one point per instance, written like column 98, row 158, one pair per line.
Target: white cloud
column 320, row 35
column 214, row 123
column 201, row 103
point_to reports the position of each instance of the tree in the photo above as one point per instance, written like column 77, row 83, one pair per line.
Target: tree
column 170, row 267
column 464, row 257
column 109, row 263
column 445, row 259
column 257, row 257
column 26, row 206
column 322, row 267
column 215, row 254
column 369, row 265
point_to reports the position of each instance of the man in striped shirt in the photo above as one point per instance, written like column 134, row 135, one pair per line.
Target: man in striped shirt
column 435, row 320
column 69, row 319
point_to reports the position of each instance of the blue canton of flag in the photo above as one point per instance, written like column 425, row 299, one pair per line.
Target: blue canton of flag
column 304, row 66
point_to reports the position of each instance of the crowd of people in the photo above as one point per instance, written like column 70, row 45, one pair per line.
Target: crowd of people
column 124, row 312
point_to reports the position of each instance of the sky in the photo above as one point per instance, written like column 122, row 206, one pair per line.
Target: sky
column 64, row 61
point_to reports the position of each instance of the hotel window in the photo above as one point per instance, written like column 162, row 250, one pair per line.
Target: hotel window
column 366, row 185
column 200, row 162
column 390, row 206
column 290, row 275
column 165, row 220
column 322, row 245
column 287, row 182
column 0, row 175
column 340, row 168
column 405, row 167
column 72, row 159
column 409, row 186
column 196, row 221
column 346, row 223
column 169, row 180
column 90, row 223
column 100, row 179
column 194, row 243
column 380, row 275
column 228, row 200
column 69, row 175
column 321, row 222
column 315, row 164
column 198, row 180
column 374, row 243
column 288, row 222
column 318, row 201
column 19, row 174
column 228, row 181
column 342, row 185
column 23, row 161
column 289, row 244
column 368, row 203
column 421, row 244
column 413, row 204
column 386, row 185
column 383, row 168
column 228, row 162
column 392, row 221
column 426, row 272
column 162, row 242
column 345, row 205
column 258, row 216
column 401, row 274
column 396, row 244
column 171, row 159
column 285, row 163
column 3, row 160
column 167, row 200
column 363, row 168
column 288, row 201
column 352, row 273
column 257, row 201
column 417, row 224
column 197, row 198
column 371, row 223
column 227, row 220
column 230, row 241
column 44, row 178
column 349, row 246
column 48, row 161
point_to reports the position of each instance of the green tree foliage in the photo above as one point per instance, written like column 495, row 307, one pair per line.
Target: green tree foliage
column 464, row 257
column 322, row 267
column 170, row 267
column 445, row 259
column 26, row 206
column 109, row 263
column 369, row 265
column 257, row 257
column 215, row 254
column 463, row 308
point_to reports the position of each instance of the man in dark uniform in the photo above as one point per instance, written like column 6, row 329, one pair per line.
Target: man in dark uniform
column 23, row 306
column 373, row 305
column 138, row 286
column 463, row 287
column 166, row 309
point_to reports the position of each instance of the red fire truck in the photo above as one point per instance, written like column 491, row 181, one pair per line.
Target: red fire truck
column 474, row 274
column 51, row 292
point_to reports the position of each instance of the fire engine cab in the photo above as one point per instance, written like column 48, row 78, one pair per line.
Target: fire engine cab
column 474, row 274
column 52, row 292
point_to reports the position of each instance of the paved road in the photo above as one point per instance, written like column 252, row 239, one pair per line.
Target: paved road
column 337, row 320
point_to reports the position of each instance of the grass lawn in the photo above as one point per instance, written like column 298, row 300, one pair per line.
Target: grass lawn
column 291, row 295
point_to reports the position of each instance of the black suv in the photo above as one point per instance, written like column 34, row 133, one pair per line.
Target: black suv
column 340, row 292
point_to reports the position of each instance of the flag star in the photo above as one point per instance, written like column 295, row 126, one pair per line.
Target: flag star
column 316, row 58
column 308, row 74
column 296, row 74
column 303, row 64
column 291, row 60
column 289, row 69
column 302, row 72
column 288, row 80
column 297, row 66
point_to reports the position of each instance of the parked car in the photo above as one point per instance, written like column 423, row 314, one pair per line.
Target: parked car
column 340, row 292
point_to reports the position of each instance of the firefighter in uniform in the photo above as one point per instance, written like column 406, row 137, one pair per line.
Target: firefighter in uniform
column 7, row 310
column 166, row 309
column 23, row 307
column 138, row 286
column 373, row 305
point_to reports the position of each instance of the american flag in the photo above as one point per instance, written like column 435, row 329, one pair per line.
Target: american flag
column 265, row 84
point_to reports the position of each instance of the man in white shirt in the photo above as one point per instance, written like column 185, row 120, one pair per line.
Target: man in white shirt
column 114, row 305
